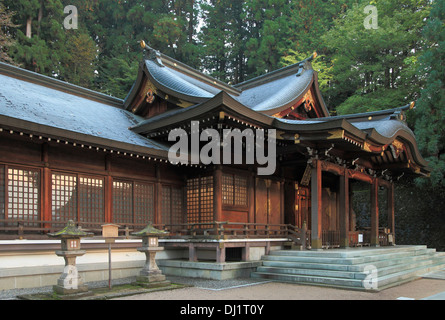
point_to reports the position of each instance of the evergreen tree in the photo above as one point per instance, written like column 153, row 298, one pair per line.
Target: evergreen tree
column 43, row 44
column 6, row 40
column 372, row 68
column 430, row 109
column 117, row 27
column 38, row 35
column 223, row 37
column 267, row 24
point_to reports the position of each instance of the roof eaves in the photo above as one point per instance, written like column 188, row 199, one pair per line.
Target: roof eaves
column 36, row 129
column 221, row 102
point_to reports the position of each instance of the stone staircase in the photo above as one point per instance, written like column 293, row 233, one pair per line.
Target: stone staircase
column 355, row 268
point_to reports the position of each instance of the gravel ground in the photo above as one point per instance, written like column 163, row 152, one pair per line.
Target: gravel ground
column 246, row 290
column 259, row 289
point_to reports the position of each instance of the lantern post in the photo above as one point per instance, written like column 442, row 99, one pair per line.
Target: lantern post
column 70, row 282
column 151, row 276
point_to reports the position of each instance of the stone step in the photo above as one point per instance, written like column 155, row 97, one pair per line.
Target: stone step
column 354, row 256
column 349, row 253
column 341, row 271
column 321, row 259
column 364, row 269
column 341, row 265
column 370, row 283
column 329, row 281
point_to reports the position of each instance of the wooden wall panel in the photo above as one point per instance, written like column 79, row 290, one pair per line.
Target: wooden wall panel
column 275, row 203
column 290, row 212
column 261, row 201
column 329, row 210
column 143, row 168
column 76, row 159
column 235, row 216
column 24, row 150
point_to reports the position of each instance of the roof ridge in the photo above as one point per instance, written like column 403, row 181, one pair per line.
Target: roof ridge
column 60, row 85
column 166, row 60
column 300, row 67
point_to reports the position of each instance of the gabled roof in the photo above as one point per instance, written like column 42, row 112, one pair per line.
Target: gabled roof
column 33, row 103
column 268, row 94
column 30, row 102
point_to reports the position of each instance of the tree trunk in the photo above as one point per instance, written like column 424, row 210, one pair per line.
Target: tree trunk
column 28, row 27
column 39, row 18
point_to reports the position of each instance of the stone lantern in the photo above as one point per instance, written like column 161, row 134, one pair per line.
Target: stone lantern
column 151, row 276
column 70, row 282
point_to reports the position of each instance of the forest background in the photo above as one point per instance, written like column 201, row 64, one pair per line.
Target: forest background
column 398, row 60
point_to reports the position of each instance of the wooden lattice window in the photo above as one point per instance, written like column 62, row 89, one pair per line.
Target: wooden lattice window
column 133, row 202
column 23, row 194
column 143, row 203
column 227, row 189
column 64, row 196
column 200, row 200
column 240, row 191
column 234, row 190
column 193, row 200
column 91, row 199
column 171, row 212
column 122, row 202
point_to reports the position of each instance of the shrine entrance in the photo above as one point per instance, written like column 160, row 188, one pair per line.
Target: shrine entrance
column 333, row 219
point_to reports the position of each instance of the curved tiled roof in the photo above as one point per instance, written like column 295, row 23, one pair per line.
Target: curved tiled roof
column 277, row 94
column 268, row 94
column 173, row 82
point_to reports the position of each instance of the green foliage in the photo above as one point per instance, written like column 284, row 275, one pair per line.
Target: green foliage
column 430, row 109
column 320, row 64
column 6, row 40
column 419, row 214
column 373, row 68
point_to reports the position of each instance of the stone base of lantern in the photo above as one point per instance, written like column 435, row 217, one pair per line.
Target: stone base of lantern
column 80, row 292
column 70, row 283
column 151, row 276
column 152, row 281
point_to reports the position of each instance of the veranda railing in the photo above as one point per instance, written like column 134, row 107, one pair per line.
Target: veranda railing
column 37, row 229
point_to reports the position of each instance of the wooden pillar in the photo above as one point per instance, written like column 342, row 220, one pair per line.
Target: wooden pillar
column 316, row 201
column 251, row 183
column 108, row 191
column 46, row 188
column 217, row 194
column 374, row 213
column 158, row 198
column 282, row 201
column 344, row 210
column 390, row 209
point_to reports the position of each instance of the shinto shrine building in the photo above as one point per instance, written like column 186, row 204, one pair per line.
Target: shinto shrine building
column 69, row 153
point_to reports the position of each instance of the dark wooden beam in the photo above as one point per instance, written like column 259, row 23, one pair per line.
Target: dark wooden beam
column 375, row 213
column 217, row 193
column 390, row 209
column 316, row 201
column 344, row 210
